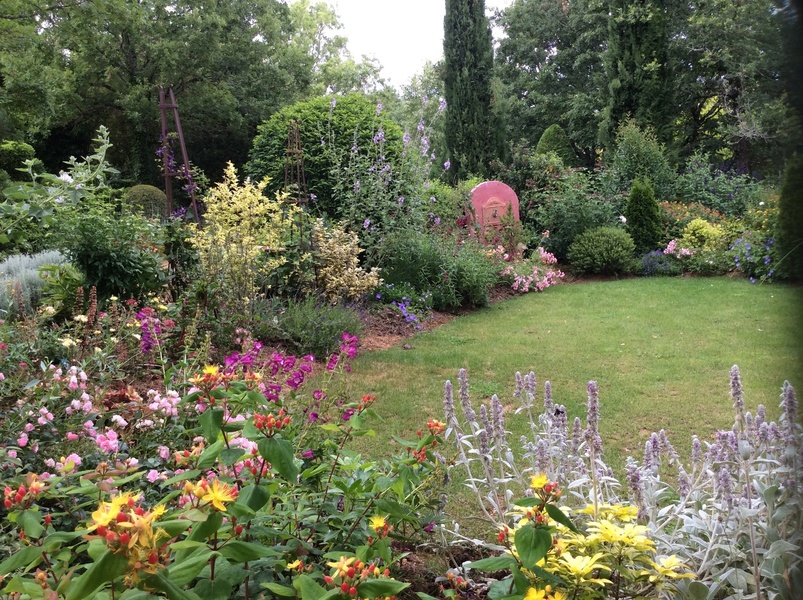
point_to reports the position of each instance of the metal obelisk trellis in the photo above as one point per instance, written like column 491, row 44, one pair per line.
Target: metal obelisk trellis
column 168, row 162
column 295, row 183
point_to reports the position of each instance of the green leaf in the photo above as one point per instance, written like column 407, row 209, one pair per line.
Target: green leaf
column 200, row 532
column 212, row 423
column 31, row 523
column 558, row 515
column 311, row 590
column 229, row 456
column 170, row 587
column 698, row 590
column 494, row 563
column 372, row 588
column 191, row 474
column 53, row 541
column 21, row 558
column 106, row 569
column 241, row 552
column 175, row 527
column 183, row 571
column 544, row 574
column 280, row 590
column 528, row 502
column 254, row 497
column 279, row 453
column 532, row 544
column 210, row 454
column 219, row 589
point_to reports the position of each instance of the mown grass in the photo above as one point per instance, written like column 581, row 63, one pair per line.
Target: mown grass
column 660, row 350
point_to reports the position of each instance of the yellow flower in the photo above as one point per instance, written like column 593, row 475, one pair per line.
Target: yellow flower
column 558, row 595
column 296, row 564
column 107, row 511
column 539, row 481
column 378, row 522
column 211, row 370
column 342, row 565
column 218, row 494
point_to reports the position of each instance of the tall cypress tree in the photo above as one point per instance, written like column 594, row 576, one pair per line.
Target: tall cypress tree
column 471, row 133
column 637, row 63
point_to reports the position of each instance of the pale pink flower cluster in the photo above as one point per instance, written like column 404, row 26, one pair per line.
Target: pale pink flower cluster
column 83, row 405
column 108, row 441
column 66, row 465
column 547, row 258
column 534, row 281
column 167, row 404
column 671, row 248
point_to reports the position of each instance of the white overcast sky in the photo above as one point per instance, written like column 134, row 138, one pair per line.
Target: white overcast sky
column 401, row 34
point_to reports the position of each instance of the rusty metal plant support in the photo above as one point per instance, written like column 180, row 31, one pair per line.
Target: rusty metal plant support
column 295, row 183
column 168, row 166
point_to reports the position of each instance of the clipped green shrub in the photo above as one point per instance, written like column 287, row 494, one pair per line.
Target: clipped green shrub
column 701, row 235
column 21, row 286
column 345, row 122
column 643, row 217
column 13, row 156
column 603, row 250
column 638, row 155
column 790, row 222
column 554, row 139
column 146, row 200
column 309, row 326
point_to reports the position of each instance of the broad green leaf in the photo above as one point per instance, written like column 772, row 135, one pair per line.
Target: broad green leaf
column 31, row 523
column 532, row 544
column 200, row 532
column 170, row 586
column 210, row 454
column 229, row 456
column 528, row 502
column 53, row 541
column 698, row 590
column 175, row 527
column 211, row 423
column 254, row 497
column 558, row 515
column 372, row 588
column 21, row 558
column 191, row 474
column 279, row 453
column 241, row 552
column 183, row 571
column 311, row 590
column 109, row 567
column 280, row 590
column 494, row 563
column 219, row 589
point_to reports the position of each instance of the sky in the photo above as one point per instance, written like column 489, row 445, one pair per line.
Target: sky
column 402, row 34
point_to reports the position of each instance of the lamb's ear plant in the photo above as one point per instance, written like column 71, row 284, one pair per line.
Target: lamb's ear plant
column 727, row 524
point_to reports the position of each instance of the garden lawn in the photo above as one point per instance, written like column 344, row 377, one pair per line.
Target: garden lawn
column 659, row 348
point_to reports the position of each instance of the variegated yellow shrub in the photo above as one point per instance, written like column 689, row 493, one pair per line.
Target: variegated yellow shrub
column 239, row 224
column 340, row 276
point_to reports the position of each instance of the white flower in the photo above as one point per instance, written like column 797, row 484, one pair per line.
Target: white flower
column 65, row 177
column 623, row 219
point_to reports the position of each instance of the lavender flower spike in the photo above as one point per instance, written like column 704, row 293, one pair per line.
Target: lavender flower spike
column 738, row 397
column 448, row 405
column 465, row 400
